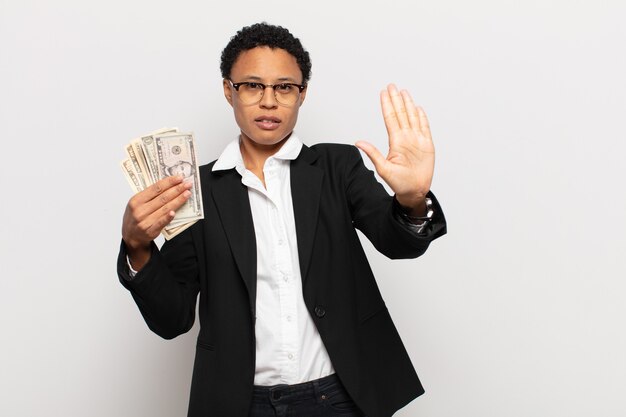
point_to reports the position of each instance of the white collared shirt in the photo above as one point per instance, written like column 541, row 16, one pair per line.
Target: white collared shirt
column 289, row 349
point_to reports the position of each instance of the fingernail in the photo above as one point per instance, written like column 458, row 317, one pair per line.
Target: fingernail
column 187, row 193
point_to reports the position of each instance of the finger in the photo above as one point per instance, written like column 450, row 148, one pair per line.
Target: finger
column 389, row 115
column 424, row 125
column 155, row 228
column 139, row 209
column 164, row 198
column 172, row 205
column 157, row 188
column 373, row 154
column 155, row 222
column 398, row 106
column 412, row 113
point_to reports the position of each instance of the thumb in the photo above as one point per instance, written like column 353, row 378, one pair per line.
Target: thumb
column 373, row 154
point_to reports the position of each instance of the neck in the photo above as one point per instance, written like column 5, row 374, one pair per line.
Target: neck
column 254, row 154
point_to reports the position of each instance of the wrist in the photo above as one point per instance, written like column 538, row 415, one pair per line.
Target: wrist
column 138, row 254
column 414, row 206
column 415, row 215
column 135, row 245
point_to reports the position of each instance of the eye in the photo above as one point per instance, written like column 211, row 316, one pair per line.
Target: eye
column 284, row 88
column 255, row 86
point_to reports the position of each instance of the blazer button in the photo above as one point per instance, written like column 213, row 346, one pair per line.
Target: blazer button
column 320, row 312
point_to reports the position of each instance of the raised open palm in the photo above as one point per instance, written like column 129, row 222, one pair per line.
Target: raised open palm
column 409, row 165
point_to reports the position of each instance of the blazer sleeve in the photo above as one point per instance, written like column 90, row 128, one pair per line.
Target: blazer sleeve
column 372, row 211
column 166, row 288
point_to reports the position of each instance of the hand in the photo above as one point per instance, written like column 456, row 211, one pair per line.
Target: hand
column 409, row 165
column 148, row 212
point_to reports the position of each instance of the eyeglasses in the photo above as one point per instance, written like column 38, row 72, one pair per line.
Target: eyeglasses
column 286, row 94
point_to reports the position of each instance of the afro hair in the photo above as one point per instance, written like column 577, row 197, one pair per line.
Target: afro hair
column 264, row 34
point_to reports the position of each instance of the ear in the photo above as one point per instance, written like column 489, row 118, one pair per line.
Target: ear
column 228, row 91
column 303, row 94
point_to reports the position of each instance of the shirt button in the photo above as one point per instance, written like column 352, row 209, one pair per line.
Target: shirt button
column 280, row 242
column 288, row 318
column 320, row 312
column 290, row 356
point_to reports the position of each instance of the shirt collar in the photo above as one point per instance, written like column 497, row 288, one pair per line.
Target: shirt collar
column 231, row 156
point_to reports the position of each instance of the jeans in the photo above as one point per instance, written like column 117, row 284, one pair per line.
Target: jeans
column 325, row 397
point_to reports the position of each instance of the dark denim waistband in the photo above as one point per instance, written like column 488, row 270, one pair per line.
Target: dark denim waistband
column 290, row 393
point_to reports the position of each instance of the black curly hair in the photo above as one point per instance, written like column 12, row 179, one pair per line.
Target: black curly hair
column 264, row 34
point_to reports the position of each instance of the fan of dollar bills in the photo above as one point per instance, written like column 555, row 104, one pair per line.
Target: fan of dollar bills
column 161, row 154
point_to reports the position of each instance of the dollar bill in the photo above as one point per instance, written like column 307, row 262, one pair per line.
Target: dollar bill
column 131, row 175
column 161, row 154
column 176, row 155
column 169, row 232
column 135, row 156
column 150, row 153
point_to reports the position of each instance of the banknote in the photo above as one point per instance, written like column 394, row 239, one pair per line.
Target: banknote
column 135, row 156
column 169, row 232
column 160, row 154
column 176, row 155
column 131, row 175
column 149, row 151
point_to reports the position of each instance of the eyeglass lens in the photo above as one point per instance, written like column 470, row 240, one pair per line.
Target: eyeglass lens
column 252, row 93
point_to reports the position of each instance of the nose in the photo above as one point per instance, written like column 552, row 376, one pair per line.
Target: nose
column 268, row 100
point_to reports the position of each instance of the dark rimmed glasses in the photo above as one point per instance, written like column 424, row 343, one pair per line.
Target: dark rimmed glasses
column 251, row 92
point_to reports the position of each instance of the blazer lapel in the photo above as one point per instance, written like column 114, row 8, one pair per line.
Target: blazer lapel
column 233, row 205
column 306, row 186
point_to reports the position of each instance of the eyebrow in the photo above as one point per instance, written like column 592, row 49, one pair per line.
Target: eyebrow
column 281, row 79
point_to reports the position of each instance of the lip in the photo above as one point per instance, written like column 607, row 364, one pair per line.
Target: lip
column 267, row 122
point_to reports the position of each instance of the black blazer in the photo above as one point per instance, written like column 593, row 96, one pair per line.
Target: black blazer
column 333, row 193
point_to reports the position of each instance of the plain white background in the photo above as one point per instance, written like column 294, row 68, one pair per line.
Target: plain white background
column 518, row 311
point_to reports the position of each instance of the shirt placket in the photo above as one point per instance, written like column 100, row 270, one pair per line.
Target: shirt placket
column 283, row 274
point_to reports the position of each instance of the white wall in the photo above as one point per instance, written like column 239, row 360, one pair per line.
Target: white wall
column 518, row 311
